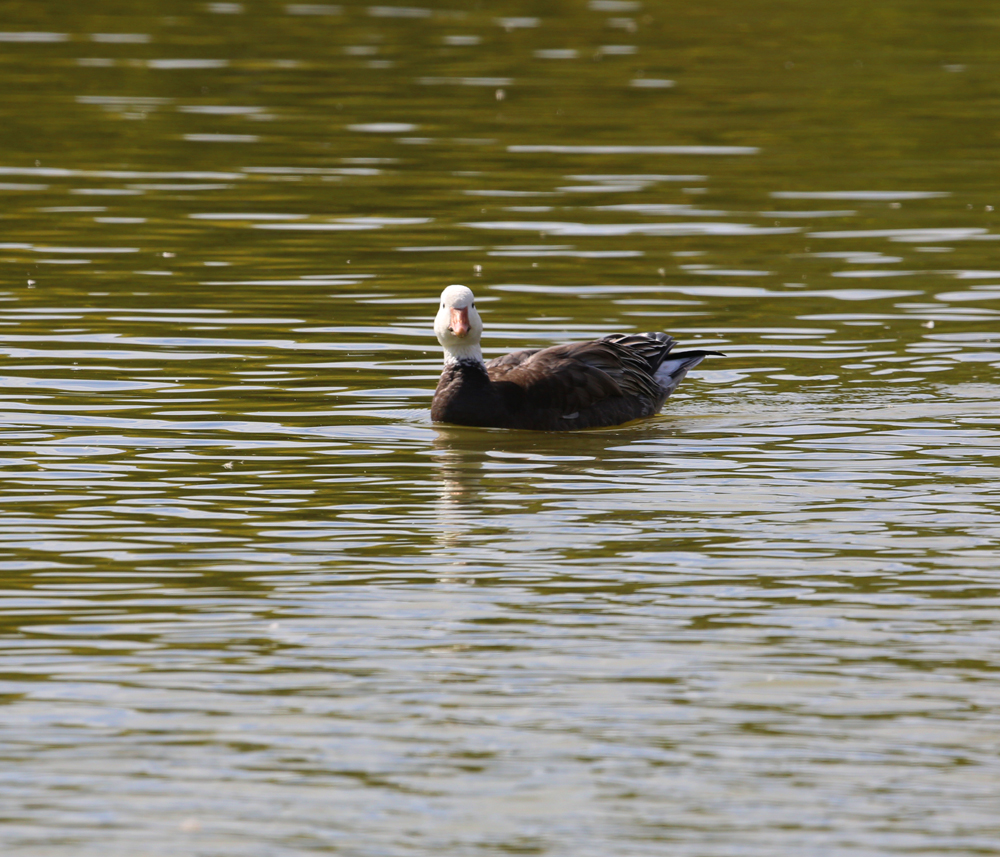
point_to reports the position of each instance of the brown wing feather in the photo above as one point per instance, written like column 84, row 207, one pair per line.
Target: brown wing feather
column 498, row 367
column 652, row 346
column 575, row 377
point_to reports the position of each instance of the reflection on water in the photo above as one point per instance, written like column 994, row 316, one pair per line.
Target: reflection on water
column 256, row 603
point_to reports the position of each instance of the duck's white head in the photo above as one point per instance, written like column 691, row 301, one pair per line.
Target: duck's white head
column 458, row 326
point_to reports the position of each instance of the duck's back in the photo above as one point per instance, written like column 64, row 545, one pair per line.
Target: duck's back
column 584, row 385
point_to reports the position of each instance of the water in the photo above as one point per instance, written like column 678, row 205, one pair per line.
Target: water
column 255, row 603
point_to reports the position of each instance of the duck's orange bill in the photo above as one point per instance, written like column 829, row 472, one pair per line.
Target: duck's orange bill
column 459, row 324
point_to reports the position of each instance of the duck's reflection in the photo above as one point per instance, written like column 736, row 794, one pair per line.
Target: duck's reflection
column 486, row 473
column 460, row 456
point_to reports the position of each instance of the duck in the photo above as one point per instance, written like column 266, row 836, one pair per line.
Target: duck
column 595, row 384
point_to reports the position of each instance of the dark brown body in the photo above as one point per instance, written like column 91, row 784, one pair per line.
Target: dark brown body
column 605, row 382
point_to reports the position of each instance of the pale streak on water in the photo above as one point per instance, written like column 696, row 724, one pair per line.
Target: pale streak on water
column 255, row 603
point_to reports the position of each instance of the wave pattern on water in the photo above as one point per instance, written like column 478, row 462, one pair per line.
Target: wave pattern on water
column 254, row 602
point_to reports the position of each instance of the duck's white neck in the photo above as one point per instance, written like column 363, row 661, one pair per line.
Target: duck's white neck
column 466, row 352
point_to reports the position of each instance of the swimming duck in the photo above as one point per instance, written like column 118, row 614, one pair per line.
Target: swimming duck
column 604, row 382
